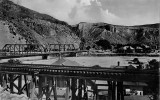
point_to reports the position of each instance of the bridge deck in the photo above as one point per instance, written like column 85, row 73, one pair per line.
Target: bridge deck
column 6, row 55
column 81, row 72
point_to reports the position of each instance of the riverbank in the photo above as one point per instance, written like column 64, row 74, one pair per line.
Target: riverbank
column 120, row 54
column 103, row 61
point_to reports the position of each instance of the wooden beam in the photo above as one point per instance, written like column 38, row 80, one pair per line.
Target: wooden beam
column 24, row 87
column 25, row 79
column 14, row 48
column 109, row 90
column 85, row 97
column 73, row 88
column 59, row 47
column 54, row 88
column 15, row 78
column 40, row 94
column 67, row 95
column 14, row 85
column 80, row 89
column 11, row 82
column 1, row 78
column 120, row 94
column 113, row 90
column 19, row 84
column 32, row 88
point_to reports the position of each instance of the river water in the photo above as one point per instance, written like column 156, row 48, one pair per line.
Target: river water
column 107, row 61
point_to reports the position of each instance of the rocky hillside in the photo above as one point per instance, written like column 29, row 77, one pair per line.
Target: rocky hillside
column 90, row 33
column 21, row 25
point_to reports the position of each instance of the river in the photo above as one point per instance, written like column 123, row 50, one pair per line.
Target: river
column 107, row 61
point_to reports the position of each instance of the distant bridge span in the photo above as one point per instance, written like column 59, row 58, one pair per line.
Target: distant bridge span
column 24, row 50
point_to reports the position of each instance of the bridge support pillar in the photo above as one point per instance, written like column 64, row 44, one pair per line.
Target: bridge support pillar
column 115, row 90
column 46, row 86
column 27, row 86
column 109, row 90
column 85, row 97
column 120, row 94
column 1, row 79
column 82, row 92
column 32, row 88
column 5, row 81
column 20, row 84
column 54, row 88
column 112, row 90
column 73, row 88
column 67, row 96
column 44, row 57
column 80, row 89
column 11, row 82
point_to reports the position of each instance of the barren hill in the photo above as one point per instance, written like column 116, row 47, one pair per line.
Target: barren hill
column 22, row 25
column 90, row 33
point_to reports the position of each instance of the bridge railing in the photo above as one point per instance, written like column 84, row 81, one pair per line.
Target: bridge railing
column 22, row 49
column 61, row 47
column 30, row 49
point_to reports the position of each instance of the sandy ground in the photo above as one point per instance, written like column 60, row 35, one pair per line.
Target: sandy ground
column 86, row 61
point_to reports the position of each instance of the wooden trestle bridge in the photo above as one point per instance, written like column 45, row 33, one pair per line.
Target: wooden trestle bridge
column 43, row 77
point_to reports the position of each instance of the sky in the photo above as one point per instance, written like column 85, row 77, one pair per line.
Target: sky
column 118, row 12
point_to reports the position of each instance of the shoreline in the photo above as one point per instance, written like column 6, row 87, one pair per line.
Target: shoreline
column 120, row 54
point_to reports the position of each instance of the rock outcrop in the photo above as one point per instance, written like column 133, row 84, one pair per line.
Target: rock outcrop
column 90, row 33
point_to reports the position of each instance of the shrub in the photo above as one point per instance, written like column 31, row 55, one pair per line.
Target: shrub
column 14, row 61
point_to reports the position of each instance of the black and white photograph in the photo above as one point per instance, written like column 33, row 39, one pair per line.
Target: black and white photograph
column 79, row 49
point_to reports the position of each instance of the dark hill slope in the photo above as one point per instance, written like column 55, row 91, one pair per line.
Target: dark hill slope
column 32, row 27
column 116, row 34
column 21, row 25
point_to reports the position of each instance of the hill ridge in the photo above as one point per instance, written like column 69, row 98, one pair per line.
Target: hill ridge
column 22, row 25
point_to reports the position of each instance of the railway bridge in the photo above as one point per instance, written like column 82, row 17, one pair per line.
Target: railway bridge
column 43, row 77
column 24, row 50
